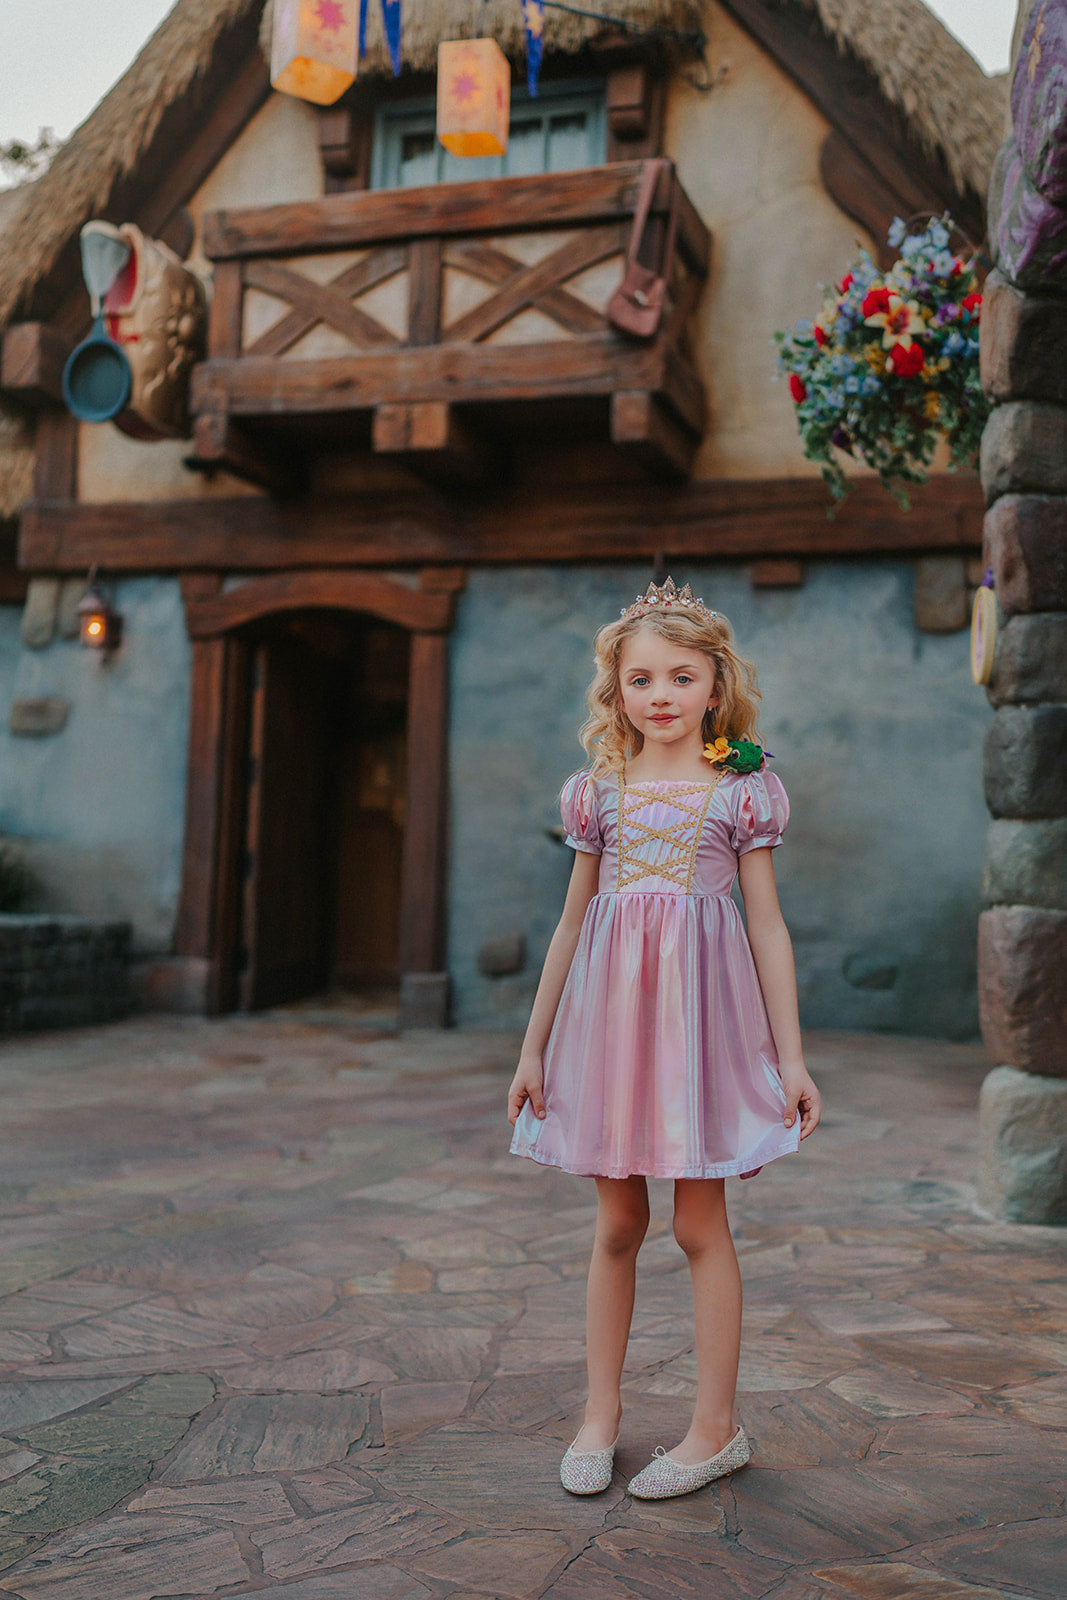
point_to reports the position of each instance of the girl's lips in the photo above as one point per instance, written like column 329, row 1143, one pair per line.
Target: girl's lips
column 663, row 719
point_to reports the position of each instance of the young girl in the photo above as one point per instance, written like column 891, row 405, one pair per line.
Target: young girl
column 663, row 1043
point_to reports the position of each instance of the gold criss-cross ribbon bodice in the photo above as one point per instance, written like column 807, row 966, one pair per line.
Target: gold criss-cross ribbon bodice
column 660, row 826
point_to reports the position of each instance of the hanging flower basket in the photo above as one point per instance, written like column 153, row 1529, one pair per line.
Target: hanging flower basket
column 889, row 367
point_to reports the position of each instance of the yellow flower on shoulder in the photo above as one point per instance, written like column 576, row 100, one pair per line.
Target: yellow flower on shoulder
column 721, row 750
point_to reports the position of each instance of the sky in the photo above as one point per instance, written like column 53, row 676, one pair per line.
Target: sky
column 58, row 57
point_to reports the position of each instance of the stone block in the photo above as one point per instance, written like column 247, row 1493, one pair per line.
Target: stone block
column 1037, row 100
column 1024, row 449
column 1026, row 864
column 1030, row 231
column 1025, row 769
column 497, row 958
column 71, row 593
column 1026, row 546
column 423, row 1000
column 34, row 719
column 1031, row 661
column 171, row 984
column 39, row 613
column 1023, row 344
column 1023, row 1151
column 940, row 596
column 1022, row 988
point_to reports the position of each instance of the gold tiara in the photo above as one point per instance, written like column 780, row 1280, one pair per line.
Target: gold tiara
column 669, row 598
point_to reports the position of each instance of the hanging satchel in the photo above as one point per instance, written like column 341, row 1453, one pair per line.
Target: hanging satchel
column 637, row 304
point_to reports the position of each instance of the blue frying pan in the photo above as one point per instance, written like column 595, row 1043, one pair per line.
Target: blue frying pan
column 97, row 379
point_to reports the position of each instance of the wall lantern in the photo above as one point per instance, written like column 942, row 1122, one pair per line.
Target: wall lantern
column 314, row 48
column 473, row 97
column 99, row 624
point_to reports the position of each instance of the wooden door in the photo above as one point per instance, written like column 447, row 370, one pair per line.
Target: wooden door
column 285, row 922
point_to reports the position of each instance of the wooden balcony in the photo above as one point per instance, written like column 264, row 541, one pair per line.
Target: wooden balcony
column 432, row 325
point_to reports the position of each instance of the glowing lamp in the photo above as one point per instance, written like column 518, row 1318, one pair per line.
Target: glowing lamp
column 99, row 624
column 314, row 48
column 473, row 97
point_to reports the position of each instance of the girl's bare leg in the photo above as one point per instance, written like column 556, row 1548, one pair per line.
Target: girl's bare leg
column 622, row 1220
column 703, row 1231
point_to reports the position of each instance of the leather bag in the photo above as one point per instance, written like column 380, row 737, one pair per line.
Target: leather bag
column 637, row 304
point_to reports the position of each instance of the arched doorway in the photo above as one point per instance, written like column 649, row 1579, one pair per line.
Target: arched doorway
column 314, row 840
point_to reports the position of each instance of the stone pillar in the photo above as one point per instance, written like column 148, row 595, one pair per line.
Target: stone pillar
column 1022, row 942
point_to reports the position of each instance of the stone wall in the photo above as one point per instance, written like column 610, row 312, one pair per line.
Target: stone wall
column 1022, row 947
column 62, row 972
column 877, row 732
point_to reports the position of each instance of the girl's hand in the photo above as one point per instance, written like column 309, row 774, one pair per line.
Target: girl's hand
column 527, row 1084
column 801, row 1096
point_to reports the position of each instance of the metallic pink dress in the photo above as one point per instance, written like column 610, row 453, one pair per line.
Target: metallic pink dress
column 661, row 1059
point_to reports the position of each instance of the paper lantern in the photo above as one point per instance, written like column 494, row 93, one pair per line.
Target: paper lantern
column 314, row 48
column 473, row 97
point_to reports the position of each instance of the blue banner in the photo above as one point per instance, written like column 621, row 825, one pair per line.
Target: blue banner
column 364, row 7
column 533, row 17
column 391, row 23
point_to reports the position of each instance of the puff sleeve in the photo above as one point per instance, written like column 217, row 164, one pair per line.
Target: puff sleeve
column 579, row 811
column 759, row 810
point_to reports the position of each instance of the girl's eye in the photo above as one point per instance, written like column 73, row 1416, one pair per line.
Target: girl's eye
column 683, row 677
column 638, row 683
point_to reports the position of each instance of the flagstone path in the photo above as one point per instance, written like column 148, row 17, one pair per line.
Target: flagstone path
column 280, row 1316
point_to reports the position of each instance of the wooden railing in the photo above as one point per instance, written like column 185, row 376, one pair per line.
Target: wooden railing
column 412, row 304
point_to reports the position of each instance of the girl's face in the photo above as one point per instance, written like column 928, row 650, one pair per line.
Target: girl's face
column 666, row 688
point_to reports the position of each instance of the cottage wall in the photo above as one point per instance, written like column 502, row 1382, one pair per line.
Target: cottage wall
column 875, row 725
column 876, row 731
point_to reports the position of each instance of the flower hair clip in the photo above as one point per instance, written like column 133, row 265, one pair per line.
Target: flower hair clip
column 737, row 755
column 667, row 598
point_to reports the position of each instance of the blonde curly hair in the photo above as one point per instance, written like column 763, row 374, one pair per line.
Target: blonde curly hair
column 610, row 738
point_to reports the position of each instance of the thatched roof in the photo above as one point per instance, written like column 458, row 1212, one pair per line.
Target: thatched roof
column 16, row 435
column 940, row 91
column 948, row 103
column 427, row 22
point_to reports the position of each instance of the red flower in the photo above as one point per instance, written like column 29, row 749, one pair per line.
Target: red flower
column 971, row 303
column 796, row 388
column 820, row 336
column 846, row 283
column 906, row 360
column 874, row 301
column 957, row 268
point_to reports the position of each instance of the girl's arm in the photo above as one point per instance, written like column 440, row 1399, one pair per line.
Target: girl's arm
column 528, row 1081
column 773, row 955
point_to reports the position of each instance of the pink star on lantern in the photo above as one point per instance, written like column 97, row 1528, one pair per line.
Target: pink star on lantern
column 464, row 86
column 331, row 15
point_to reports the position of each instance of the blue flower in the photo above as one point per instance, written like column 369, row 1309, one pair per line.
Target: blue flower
column 803, row 327
column 955, row 343
column 871, row 384
column 939, row 235
column 852, row 385
column 897, row 230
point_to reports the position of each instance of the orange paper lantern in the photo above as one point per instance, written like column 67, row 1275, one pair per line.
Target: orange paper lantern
column 473, row 97
column 314, row 48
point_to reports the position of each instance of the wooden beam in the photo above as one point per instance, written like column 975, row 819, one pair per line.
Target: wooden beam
column 643, row 427
column 207, row 616
column 707, row 520
column 433, row 441
column 422, row 882
column 491, row 205
column 32, row 361
column 596, row 364
column 55, row 467
column 849, row 96
column 860, row 190
column 221, row 445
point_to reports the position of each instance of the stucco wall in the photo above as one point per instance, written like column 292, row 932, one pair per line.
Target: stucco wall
column 274, row 160
column 748, row 155
column 877, row 732
column 99, row 806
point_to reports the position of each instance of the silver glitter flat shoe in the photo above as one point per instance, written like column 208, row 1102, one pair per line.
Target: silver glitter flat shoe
column 587, row 1471
column 664, row 1477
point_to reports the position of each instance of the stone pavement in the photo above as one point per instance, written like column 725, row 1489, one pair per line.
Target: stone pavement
column 279, row 1315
